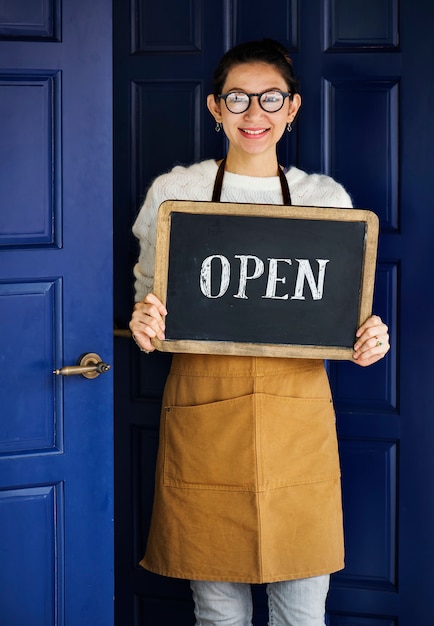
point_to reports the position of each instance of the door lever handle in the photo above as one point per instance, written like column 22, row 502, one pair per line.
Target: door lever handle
column 89, row 365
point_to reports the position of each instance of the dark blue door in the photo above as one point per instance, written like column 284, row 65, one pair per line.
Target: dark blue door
column 366, row 119
column 56, row 557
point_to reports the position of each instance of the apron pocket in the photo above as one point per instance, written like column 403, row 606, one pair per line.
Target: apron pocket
column 211, row 446
column 297, row 441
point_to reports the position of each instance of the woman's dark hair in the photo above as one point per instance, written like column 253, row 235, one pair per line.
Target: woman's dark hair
column 261, row 51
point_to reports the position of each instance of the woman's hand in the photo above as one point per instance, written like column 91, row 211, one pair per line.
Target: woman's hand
column 372, row 342
column 147, row 321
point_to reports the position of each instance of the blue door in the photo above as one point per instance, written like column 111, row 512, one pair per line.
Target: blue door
column 56, row 557
column 365, row 77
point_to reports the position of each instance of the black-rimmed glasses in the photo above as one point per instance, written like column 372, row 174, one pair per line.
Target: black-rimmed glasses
column 270, row 101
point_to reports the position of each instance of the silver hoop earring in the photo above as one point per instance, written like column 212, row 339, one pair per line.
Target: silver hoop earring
column 289, row 127
column 218, row 127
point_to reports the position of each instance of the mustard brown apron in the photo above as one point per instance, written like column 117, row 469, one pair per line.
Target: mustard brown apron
column 248, row 480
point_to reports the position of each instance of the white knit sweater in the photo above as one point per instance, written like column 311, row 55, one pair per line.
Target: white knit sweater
column 196, row 182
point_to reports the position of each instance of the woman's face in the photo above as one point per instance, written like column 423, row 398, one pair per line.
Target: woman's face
column 254, row 132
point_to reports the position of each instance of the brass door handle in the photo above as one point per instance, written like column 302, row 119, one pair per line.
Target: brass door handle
column 88, row 365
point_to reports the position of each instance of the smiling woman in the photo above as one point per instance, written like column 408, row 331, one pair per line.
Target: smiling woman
column 259, row 106
column 247, row 485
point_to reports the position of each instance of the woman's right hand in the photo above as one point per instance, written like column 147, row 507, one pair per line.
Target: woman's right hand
column 147, row 321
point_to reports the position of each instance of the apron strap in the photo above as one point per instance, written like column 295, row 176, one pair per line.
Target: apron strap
column 286, row 194
column 217, row 191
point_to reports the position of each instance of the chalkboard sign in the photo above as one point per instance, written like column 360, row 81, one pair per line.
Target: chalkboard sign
column 264, row 280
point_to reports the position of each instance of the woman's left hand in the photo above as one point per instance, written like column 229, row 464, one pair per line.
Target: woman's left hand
column 372, row 342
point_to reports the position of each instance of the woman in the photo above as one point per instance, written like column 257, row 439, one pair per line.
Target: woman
column 248, row 481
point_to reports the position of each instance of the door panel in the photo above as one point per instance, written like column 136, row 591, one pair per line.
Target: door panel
column 160, row 82
column 55, row 242
column 366, row 121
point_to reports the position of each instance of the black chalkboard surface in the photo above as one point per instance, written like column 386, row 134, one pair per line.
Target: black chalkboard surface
column 263, row 279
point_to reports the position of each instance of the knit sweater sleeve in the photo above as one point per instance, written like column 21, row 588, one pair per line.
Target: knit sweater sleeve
column 144, row 229
column 181, row 183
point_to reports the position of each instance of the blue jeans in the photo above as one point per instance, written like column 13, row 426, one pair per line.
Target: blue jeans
column 290, row 603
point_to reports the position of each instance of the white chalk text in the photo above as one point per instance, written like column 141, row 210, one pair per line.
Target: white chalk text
column 216, row 271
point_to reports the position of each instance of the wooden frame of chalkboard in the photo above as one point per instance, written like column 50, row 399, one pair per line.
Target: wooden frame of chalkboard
column 264, row 280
